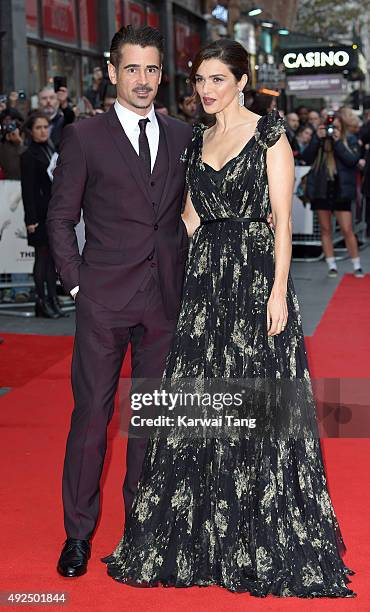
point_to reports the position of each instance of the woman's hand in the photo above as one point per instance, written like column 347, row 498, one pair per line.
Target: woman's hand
column 277, row 313
column 270, row 221
column 190, row 217
column 336, row 134
column 32, row 228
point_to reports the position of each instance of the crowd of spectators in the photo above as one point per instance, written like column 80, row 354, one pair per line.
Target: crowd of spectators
column 29, row 139
column 334, row 145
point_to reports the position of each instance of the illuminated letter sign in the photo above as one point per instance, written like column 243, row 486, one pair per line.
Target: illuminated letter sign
column 316, row 59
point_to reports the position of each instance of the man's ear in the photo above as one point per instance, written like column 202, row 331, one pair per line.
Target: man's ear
column 112, row 74
column 160, row 75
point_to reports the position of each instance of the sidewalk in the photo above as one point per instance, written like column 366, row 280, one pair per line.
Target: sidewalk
column 313, row 287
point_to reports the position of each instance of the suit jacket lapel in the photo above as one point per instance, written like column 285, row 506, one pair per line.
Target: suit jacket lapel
column 170, row 144
column 125, row 148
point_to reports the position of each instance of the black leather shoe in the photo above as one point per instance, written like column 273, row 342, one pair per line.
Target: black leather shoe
column 54, row 303
column 43, row 309
column 74, row 557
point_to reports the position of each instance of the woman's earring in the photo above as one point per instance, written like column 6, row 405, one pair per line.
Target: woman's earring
column 241, row 98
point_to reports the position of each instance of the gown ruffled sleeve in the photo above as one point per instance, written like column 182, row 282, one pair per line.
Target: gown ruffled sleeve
column 275, row 126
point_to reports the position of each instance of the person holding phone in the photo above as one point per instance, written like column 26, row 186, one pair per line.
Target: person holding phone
column 54, row 103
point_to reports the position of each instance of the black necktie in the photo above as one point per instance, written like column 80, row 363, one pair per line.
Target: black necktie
column 144, row 151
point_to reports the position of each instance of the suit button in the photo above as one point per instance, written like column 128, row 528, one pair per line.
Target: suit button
column 154, row 204
column 152, row 265
column 156, row 226
column 150, row 257
column 152, row 183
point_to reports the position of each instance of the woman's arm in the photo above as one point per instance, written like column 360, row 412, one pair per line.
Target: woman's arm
column 280, row 174
column 190, row 217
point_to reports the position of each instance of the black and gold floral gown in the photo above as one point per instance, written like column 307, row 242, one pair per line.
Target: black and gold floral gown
column 246, row 512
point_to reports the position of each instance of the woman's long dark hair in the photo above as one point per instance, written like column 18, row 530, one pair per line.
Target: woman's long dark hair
column 228, row 51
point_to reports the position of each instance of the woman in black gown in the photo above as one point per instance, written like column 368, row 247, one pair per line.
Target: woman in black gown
column 249, row 512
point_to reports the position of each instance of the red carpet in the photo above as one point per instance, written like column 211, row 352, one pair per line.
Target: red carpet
column 35, row 420
column 25, row 356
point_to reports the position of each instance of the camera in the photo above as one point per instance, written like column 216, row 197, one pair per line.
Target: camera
column 329, row 124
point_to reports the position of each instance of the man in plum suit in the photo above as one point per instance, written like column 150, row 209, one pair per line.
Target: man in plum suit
column 122, row 168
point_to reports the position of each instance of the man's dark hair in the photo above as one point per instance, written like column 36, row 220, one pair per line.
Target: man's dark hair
column 128, row 35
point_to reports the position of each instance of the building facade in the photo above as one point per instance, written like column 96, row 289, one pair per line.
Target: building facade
column 46, row 38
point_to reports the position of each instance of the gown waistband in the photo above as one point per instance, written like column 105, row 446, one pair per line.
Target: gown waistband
column 236, row 219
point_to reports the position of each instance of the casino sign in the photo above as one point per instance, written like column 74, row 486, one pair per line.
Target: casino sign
column 343, row 59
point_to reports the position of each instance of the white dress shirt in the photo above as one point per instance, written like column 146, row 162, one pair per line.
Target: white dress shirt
column 130, row 123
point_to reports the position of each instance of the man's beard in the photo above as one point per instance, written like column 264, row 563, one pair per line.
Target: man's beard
column 146, row 105
column 50, row 111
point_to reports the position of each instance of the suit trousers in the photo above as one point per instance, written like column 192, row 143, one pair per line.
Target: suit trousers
column 101, row 341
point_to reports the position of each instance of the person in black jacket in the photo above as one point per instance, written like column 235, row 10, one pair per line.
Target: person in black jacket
column 56, row 108
column 36, row 193
column 331, row 187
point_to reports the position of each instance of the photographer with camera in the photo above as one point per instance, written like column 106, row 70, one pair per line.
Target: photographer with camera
column 331, row 186
column 11, row 148
column 9, row 110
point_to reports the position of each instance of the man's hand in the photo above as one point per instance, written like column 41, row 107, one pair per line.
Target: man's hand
column 62, row 95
